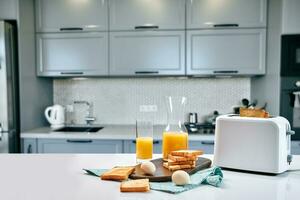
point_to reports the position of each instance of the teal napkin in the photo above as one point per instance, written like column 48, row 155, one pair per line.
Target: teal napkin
column 211, row 176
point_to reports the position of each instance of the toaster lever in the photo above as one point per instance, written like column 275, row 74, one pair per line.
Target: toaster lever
column 289, row 159
column 290, row 132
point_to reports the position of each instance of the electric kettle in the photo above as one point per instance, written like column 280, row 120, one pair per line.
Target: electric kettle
column 55, row 116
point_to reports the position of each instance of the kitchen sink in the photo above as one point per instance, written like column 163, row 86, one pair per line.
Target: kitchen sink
column 79, row 129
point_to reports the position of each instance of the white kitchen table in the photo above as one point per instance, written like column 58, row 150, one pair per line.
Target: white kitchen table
column 60, row 177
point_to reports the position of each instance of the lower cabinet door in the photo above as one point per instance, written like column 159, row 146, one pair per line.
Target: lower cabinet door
column 129, row 146
column 79, row 146
column 295, row 147
column 29, row 145
column 206, row 146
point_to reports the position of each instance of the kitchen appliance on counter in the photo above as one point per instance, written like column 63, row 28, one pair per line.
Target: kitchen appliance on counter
column 253, row 144
column 9, row 94
column 205, row 128
column 55, row 116
column 193, row 118
column 200, row 128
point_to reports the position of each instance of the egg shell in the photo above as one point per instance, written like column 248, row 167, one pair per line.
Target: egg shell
column 148, row 168
column 181, row 177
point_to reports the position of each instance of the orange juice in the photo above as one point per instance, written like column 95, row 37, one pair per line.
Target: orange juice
column 173, row 141
column 144, row 147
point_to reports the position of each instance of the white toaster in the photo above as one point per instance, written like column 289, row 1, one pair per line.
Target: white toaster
column 253, row 144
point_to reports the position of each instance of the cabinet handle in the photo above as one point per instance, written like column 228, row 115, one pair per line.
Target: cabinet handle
column 147, row 72
column 146, row 27
column 29, row 149
column 226, row 72
column 208, row 142
column 71, row 73
column 79, row 141
column 154, row 142
column 226, row 25
column 71, row 29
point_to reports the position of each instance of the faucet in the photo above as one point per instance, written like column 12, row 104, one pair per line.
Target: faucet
column 89, row 119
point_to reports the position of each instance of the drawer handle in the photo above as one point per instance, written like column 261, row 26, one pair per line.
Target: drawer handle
column 226, row 72
column 154, row 142
column 71, row 73
column 226, row 25
column 79, row 141
column 146, row 27
column 146, row 72
column 208, row 142
column 71, row 29
column 29, row 149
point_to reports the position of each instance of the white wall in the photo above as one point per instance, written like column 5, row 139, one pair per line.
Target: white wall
column 267, row 88
column 117, row 100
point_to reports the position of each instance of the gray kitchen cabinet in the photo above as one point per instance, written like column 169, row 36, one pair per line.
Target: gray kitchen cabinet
column 147, row 53
column 206, row 146
column 290, row 17
column 228, row 51
column 72, row 54
column 154, row 14
column 229, row 13
column 71, row 15
column 79, row 146
column 295, row 148
column 29, row 145
column 129, row 146
column 8, row 9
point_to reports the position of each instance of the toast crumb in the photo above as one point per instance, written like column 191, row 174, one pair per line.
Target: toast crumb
column 140, row 185
column 118, row 173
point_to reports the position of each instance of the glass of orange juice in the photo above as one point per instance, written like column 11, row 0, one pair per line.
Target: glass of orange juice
column 144, row 141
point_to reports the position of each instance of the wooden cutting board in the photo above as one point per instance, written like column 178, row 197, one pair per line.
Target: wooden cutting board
column 162, row 174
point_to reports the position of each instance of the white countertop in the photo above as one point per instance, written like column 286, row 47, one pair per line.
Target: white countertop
column 109, row 132
column 60, row 177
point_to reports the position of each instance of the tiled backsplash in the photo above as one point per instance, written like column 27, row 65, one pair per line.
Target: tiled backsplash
column 117, row 100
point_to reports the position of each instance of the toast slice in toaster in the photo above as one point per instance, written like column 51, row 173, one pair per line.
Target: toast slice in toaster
column 253, row 112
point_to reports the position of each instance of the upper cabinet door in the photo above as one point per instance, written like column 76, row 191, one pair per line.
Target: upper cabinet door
column 226, row 13
column 145, row 53
column 226, row 52
column 71, row 15
column 143, row 14
column 8, row 9
column 72, row 54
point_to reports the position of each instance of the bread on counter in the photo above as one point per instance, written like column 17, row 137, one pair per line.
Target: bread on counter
column 118, row 173
column 140, row 185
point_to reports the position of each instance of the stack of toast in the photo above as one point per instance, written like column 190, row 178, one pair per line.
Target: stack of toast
column 182, row 159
